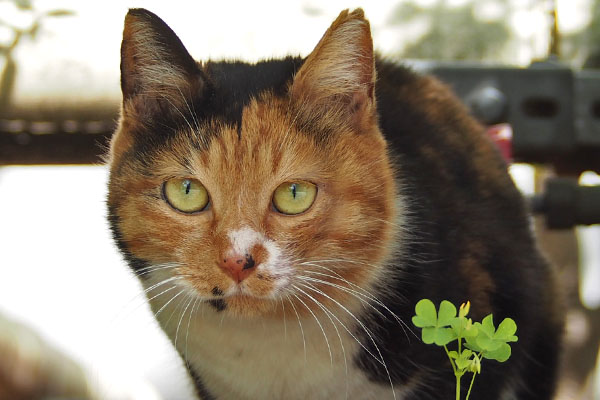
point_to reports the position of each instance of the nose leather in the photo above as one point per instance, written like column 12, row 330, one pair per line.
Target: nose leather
column 238, row 267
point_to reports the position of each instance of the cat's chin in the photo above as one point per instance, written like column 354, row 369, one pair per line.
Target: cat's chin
column 245, row 305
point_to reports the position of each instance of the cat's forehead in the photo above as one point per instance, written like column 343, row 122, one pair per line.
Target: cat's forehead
column 234, row 84
column 266, row 143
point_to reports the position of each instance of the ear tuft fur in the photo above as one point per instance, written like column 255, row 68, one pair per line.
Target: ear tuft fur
column 341, row 69
column 155, row 66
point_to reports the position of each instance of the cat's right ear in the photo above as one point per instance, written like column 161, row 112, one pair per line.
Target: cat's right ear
column 158, row 75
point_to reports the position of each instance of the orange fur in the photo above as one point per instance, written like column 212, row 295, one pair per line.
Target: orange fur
column 348, row 218
column 352, row 217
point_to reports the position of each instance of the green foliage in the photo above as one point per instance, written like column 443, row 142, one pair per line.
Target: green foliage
column 454, row 32
column 434, row 324
column 482, row 339
column 491, row 342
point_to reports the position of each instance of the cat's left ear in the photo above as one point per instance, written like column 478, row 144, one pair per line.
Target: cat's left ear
column 158, row 75
column 336, row 83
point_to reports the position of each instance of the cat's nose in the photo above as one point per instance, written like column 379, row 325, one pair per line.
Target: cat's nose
column 238, row 267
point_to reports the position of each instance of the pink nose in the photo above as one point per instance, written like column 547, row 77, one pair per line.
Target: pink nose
column 237, row 266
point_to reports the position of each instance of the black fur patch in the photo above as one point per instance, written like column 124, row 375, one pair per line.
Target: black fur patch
column 218, row 304
column 236, row 83
column 138, row 265
column 217, row 292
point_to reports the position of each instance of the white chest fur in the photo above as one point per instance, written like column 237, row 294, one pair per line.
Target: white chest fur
column 262, row 359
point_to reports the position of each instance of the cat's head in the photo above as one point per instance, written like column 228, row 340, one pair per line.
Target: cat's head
column 248, row 185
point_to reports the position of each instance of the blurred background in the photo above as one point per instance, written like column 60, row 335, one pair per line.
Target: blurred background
column 526, row 68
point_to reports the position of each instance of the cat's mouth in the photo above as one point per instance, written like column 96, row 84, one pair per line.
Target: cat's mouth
column 241, row 302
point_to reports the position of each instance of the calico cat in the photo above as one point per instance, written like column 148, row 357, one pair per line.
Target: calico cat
column 285, row 217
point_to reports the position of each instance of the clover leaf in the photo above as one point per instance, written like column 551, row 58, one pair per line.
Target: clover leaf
column 463, row 327
column 483, row 340
column 463, row 361
column 435, row 325
column 492, row 342
column 506, row 330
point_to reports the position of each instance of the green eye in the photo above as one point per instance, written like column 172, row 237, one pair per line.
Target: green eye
column 185, row 194
column 294, row 197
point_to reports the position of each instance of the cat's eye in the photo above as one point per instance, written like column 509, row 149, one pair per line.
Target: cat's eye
column 185, row 194
column 293, row 198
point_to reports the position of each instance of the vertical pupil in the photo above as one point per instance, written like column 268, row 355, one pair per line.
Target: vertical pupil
column 187, row 186
column 293, row 190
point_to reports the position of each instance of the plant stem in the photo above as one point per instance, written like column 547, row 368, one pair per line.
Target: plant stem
column 457, row 373
column 458, row 387
column 450, row 358
column 471, row 386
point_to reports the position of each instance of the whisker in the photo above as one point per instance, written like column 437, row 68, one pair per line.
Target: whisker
column 320, row 326
column 336, row 275
column 168, row 302
column 361, row 297
column 358, row 295
column 171, row 279
column 284, row 322
column 191, row 298
column 187, row 331
column 365, row 329
column 157, row 267
column 177, row 307
column 365, row 291
column 299, row 324
column 327, row 312
column 341, row 323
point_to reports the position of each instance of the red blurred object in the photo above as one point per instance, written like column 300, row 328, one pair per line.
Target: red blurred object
column 501, row 135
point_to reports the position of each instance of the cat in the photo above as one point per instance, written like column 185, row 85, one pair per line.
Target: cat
column 284, row 218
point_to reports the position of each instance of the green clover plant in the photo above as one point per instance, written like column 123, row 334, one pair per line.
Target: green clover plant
column 481, row 339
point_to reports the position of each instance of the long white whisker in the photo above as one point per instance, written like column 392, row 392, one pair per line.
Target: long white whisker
column 167, row 303
column 361, row 297
column 340, row 277
column 151, row 268
column 365, row 292
column 191, row 298
column 327, row 313
column 299, row 324
column 308, row 286
column 163, row 292
column 156, row 285
column 177, row 307
column 187, row 331
column 284, row 322
column 320, row 326
column 365, row 329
